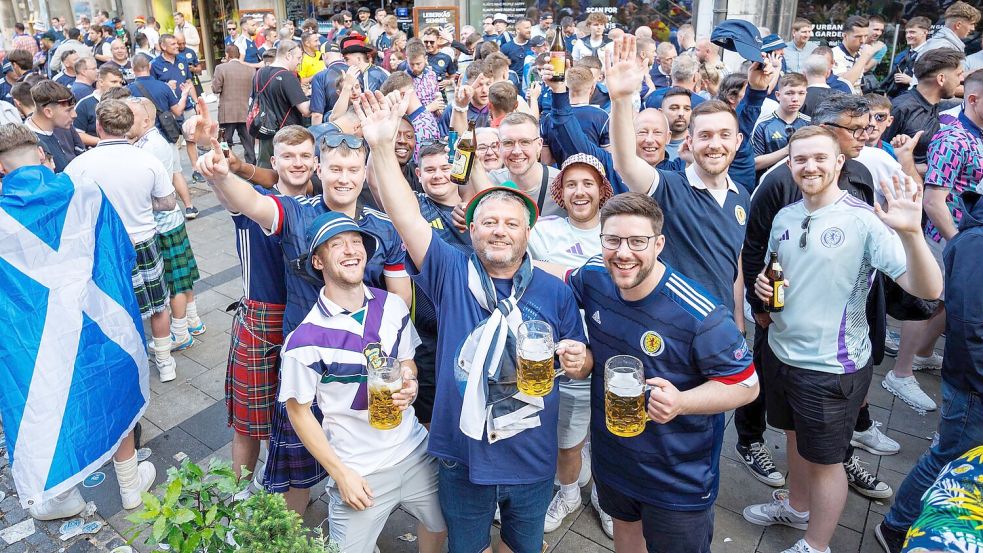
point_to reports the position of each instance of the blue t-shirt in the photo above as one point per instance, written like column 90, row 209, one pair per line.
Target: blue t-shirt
column 442, row 221
column 771, row 133
column 85, row 115
column 442, row 65
column 189, row 59
column 165, row 71
column 529, row 456
column 80, row 90
column 517, row 54
column 161, row 94
column 592, row 119
column 654, row 100
column 682, row 335
column 261, row 259
column 703, row 239
column 62, row 78
column 324, row 92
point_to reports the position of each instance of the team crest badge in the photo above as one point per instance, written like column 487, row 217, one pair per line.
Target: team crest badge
column 180, row 66
column 373, row 354
column 441, row 63
column 741, row 215
column 652, row 343
column 833, row 237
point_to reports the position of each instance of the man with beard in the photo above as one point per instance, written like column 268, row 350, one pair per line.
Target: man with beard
column 484, row 299
column 704, row 192
column 290, row 469
column 251, row 377
column 659, row 486
column 677, row 106
column 829, row 246
column 520, row 146
column 246, row 41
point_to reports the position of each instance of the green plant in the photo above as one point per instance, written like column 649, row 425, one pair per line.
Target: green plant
column 194, row 513
column 266, row 525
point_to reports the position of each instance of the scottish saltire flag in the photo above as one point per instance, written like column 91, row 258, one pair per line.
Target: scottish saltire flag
column 73, row 369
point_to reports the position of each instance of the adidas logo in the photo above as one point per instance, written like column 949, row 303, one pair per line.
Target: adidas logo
column 437, row 224
column 576, row 249
column 784, row 236
column 596, row 317
column 777, row 135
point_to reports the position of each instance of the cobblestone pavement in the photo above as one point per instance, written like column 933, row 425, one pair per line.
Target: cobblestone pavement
column 187, row 417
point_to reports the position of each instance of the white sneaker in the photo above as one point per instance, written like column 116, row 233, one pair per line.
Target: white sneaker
column 558, row 510
column 874, row 441
column 891, row 339
column 776, row 512
column 802, row 547
column 607, row 523
column 584, row 477
column 65, row 505
column 131, row 496
column 908, row 391
column 931, row 363
column 167, row 370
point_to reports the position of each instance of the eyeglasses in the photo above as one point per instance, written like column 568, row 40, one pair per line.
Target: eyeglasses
column 335, row 140
column 231, row 28
column 635, row 243
column 430, row 42
column 481, row 149
column 805, row 233
column 523, row 143
column 857, row 132
column 881, row 117
column 348, row 21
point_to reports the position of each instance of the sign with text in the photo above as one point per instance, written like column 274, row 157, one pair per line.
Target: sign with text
column 436, row 16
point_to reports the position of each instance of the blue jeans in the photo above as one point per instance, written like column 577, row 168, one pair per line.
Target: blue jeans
column 960, row 430
column 469, row 509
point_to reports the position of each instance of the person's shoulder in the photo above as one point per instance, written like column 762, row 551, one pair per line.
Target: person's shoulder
column 376, row 216
column 689, row 296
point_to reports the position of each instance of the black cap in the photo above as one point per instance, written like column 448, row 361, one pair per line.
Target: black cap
column 537, row 40
column 545, row 15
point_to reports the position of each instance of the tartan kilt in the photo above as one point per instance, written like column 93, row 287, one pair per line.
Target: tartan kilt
column 288, row 463
column 180, row 266
column 148, row 279
column 252, row 373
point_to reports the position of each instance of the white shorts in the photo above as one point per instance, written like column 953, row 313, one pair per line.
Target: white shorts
column 574, row 413
column 936, row 249
column 411, row 483
column 176, row 166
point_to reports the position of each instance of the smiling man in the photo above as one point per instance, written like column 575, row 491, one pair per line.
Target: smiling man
column 520, row 146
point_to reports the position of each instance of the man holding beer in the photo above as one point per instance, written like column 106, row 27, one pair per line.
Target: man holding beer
column 650, row 325
column 354, row 352
column 495, row 446
column 829, row 245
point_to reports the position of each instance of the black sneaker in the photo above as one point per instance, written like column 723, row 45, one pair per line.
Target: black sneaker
column 889, row 538
column 197, row 177
column 191, row 213
column 864, row 482
column 758, row 460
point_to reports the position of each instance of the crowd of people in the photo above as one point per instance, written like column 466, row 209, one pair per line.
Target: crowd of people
column 418, row 203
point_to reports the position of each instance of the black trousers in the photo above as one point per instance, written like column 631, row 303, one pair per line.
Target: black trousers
column 749, row 420
column 244, row 138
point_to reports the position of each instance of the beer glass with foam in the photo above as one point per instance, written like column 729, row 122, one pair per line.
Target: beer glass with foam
column 385, row 379
column 535, row 346
column 624, row 396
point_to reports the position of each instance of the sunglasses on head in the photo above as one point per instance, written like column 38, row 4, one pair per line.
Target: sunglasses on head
column 67, row 102
column 335, row 140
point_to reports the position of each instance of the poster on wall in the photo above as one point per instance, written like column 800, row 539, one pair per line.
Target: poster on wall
column 436, row 16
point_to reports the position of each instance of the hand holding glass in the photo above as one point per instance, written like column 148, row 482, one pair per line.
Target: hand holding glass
column 624, row 396
column 535, row 349
column 385, row 379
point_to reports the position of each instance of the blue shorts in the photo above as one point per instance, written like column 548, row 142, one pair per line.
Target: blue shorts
column 470, row 508
column 665, row 531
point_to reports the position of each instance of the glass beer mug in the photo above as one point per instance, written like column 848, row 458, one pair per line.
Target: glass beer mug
column 385, row 379
column 624, row 396
column 535, row 349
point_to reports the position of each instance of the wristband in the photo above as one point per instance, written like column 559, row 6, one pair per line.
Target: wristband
column 459, row 109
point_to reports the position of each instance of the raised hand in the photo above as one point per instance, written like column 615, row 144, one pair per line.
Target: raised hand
column 379, row 117
column 624, row 73
column 759, row 75
column 213, row 165
column 904, row 205
column 904, row 144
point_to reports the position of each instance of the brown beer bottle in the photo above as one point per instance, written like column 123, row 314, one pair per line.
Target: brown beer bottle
column 464, row 160
column 776, row 276
column 558, row 55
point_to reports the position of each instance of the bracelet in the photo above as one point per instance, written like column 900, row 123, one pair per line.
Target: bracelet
column 460, row 110
column 252, row 175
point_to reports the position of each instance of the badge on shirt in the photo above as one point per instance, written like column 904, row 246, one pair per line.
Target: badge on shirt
column 740, row 214
column 441, row 63
column 374, row 354
column 652, row 343
column 180, row 66
column 832, row 237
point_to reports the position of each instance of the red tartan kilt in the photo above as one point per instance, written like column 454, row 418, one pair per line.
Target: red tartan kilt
column 252, row 376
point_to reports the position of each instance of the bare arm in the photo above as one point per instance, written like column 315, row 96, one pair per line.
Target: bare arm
column 317, row 118
column 739, row 296
column 765, row 161
column 867, row 52
column 623, row 77
column 239, row 194
column 165, row 203
column 938, row 212
column 401, row 287
column 304, row 108
column 903, row 213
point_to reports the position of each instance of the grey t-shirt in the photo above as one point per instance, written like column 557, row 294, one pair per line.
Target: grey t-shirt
column 547, row 206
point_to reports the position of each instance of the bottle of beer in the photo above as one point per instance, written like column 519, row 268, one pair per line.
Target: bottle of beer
column 558, row 55
column 222, row 142
column 464, row 160
column 776, row 276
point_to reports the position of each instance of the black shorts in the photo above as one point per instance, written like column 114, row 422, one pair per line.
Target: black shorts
column 665, row 531
column 820, row 407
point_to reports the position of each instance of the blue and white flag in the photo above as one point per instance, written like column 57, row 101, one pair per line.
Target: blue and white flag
column 74, row 378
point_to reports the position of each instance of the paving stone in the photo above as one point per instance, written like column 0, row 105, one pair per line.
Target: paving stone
column 573, row 541
column 588, row 525
column 208, row 426
column 212, row 382
column 733, row 534
column 181, row 402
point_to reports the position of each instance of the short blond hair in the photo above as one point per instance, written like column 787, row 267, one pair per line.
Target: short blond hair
column 810, row 131
column 962, row 10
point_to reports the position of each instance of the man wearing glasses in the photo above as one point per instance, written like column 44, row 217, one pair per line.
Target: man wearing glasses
column 819, row 366
column 520, row 146
column 848, row 117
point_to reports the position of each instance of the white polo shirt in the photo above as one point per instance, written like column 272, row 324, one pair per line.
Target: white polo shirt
column 130, row 178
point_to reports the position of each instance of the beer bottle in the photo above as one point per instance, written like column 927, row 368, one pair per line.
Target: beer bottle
column 223, row 144
column 776, row 276
column 558, row 55
column 464, row 160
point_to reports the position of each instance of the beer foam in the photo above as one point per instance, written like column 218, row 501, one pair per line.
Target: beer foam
column 535, row 350
column 624, row 385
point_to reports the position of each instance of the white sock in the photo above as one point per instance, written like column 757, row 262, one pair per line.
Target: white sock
column 191, row 313
column 811, row 548
column 179, row 328
column 162, row 349
column 794, row 512
column 570, row 492
column 127, row 474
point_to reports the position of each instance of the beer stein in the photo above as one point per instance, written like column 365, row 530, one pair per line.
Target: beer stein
column 624, row 396
column 535, row 349
column 385, row 379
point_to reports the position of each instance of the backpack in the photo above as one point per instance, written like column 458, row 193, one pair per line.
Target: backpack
column 260, row 122
column 168, row 121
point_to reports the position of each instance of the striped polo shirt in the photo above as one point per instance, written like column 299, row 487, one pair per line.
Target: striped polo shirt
column 325, row 357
